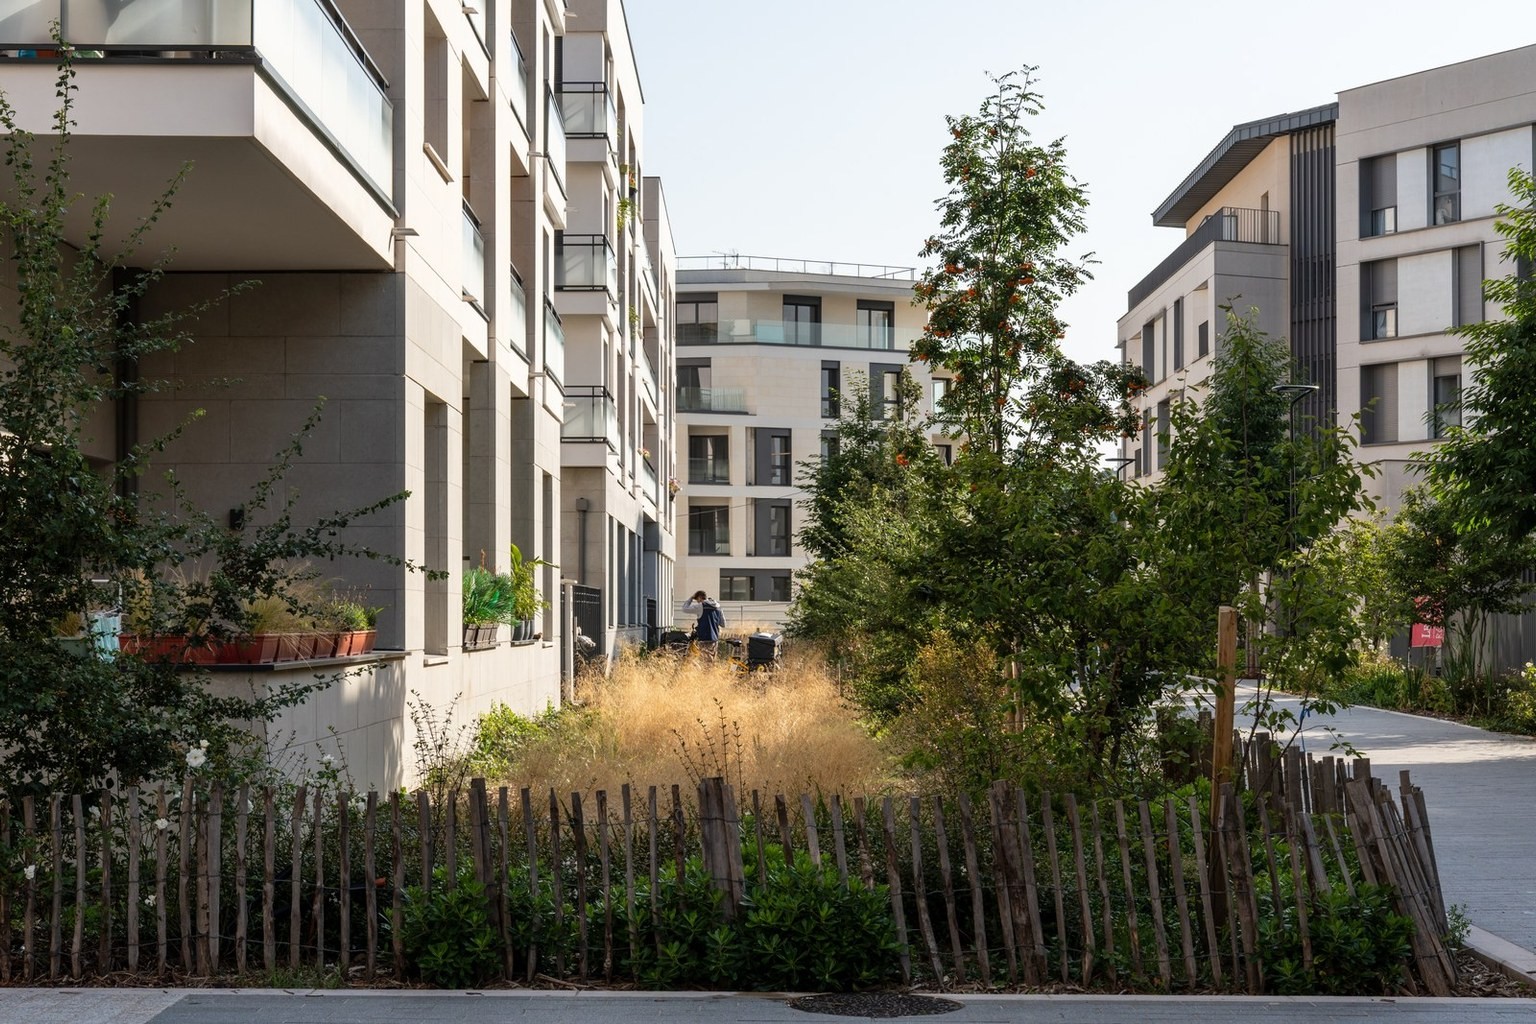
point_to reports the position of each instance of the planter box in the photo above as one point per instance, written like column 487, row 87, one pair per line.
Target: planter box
column 168, row 647
column 257, row 649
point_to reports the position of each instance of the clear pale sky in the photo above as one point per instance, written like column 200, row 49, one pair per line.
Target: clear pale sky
column 813, row 129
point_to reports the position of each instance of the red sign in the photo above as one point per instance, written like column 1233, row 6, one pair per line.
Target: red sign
column 1423, row 634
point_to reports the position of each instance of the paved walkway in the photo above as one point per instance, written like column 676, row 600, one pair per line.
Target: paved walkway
column 129, row 1006
column 1480, row 788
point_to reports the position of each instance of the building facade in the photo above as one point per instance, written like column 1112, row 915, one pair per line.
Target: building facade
column 768, row 350
column 374, row 214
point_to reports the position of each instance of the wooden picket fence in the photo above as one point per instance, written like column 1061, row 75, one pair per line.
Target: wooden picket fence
column 1030, row 889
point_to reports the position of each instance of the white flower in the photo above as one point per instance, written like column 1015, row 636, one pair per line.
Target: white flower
column 326, row 759
column 30, row 871
column 203, row 744
column 161, row 824
column 149, row 900
column 196, row 757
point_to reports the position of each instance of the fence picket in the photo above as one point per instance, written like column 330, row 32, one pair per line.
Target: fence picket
column 941, row 841
column 839, row 844
column 1155, row 896
column 1034, row 962
column 242, row 911
column 866, row 864
column 679, row 833
column 78, row 939
column 1003, row 881
column 1133, row 932
column 268, row 880
column 162, row 811
column 184, row 875
column 1104, row 903
column 655, row 864
column 1048, row 825
column 371, row 884
column 135, row 841
column 812, row 839
column 504, row 834
column 1300, row 892
column 919, row 890
column 603, row 854
column 893, row 879
column 579, row 848
column 317, row 909
column 104, row 953
column 1180, row 897
column 296, row 879
column 29, row 915
column 629, row 874
column 973, row 877
column 781, row 811
column 1212, row 945
column 56, row 918
column 344, row 880
column 1084, row 907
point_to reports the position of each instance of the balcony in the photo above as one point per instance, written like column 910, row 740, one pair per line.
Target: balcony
column 589, row 111
column 1228, row 224
column 648, row 381
column 514, row 326
column 590, row 417
column 517, row 83
column 799, row 334
column 709, row 471
column 650, row 485
column 473, row 255
column 554, row 143
column 711, row 400
column 585, row 263
column 777, row 265
column 266, row 95
column 554, row 344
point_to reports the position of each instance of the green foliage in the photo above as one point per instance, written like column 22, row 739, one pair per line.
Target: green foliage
column 500, row 735
column 488, row 596
column 1359, row 945
column 448, row 935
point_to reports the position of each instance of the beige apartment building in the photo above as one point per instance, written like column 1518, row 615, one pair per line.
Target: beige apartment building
column 393, row 176
column 767, row 351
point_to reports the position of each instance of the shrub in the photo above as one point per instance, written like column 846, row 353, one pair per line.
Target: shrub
column 448, row 935
column 1359, row 945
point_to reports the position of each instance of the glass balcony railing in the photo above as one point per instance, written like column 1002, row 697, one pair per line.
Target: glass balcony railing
column 516, row 327
column 585, row 263
column 554, row 138
column 476, row 19
column 589, row 111
column 709, row 471
column 648, row 378
column 648, row 480
column 307, row 48
column 711, row 400
column 789, row 332
column 554, row 344
column 517, row 86
column 590, row 416
column 473, row 270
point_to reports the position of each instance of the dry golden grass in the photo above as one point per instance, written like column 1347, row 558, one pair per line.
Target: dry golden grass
column 659, row 721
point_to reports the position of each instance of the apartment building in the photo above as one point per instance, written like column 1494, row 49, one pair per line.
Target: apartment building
column 1257, row 216
column 1423, row 160
column 392, row 175
column 613, row 272
column 767, row 351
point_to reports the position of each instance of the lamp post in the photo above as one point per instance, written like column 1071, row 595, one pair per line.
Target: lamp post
column 1120, row 461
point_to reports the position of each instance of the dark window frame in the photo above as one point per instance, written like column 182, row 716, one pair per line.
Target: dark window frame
column 1444, row 203
column 865, row 331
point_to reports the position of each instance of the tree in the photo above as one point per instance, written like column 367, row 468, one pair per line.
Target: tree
column 997, row 279
column 82, row 535
column 1485, row 468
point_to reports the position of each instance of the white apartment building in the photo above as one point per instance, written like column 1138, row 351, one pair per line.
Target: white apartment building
column 613, row 272
column 1422, row 162
column 393, row 175
column 1256, row 216
column 765, row 349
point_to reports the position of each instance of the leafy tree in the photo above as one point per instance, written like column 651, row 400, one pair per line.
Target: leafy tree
column 998, row 277
column 78, row 533
column 1485, row 468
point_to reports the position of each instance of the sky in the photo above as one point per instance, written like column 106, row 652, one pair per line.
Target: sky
column 812, row 130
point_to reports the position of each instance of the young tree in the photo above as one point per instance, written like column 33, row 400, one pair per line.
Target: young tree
column 77, row 533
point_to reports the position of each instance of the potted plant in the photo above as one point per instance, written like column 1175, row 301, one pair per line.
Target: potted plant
column 350, row 626
column 526, row 603
column 487, row 595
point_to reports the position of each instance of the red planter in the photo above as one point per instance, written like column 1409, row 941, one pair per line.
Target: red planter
column 259, row 649
column 168, row 647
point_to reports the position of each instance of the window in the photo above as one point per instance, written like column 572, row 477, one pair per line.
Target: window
column 709, row 529
column 735, row 588
column 884, row 391
column 1378, row 291
column 698, row 319
column 693, row 386
column 940, row 392
column 1446, row 394
column 1164, row 432
column 1146, row 443
column 778, row 586
column 1445, row 178
column 1137, row 468
column 436, row 62
column 876, row 322
column 1469, row 285
column 831, row 383
column 802, row 320
column 780, row 460
column 1378, row 195
column 1205, row 339
column 709, row 459
column 1178, row 328
column 778, row 530
column 946, row 452
column 1149, row 351
column 828, row 445
column 1378, row 403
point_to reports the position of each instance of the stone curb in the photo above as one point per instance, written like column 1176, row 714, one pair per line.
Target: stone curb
column 1514, row 962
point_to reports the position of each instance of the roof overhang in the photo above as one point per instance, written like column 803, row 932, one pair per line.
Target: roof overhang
column 1231, row 155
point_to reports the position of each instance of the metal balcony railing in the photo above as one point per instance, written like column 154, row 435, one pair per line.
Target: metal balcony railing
column 590, row 416
column 589, row 111
column 1228, row 224
column 585, row 263
column 305, row 46
column 775, row 264
column 799, row 333
column 711, row 400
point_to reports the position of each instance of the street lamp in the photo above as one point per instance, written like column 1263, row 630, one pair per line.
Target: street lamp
column 1120, row 461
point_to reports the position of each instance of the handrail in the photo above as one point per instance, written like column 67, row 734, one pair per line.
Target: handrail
column 782, row 265
column 1228, row 224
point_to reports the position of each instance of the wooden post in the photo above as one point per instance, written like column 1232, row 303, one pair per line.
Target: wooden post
column 1221, row 742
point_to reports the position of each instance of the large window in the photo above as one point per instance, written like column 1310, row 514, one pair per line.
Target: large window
column 802, row 320
column 876, row 323
column 1378, row 403
column 709, row 459
column 941, row 387
column 1164, row 431
column 709, row 529
column 1178, row 334
column 1378, row 291
column 884, row 391
column 778, row 530
column 1149, row 351
column 1446, row 183
column 1469, row 284
column 781, row 465
column 1446, row 394
column 698, row 319
column 778, row 586
column 831, row 384
column 1205, row 339
column 735, row 588
column 1378, row 195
